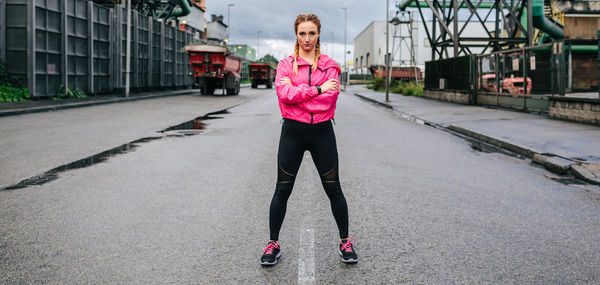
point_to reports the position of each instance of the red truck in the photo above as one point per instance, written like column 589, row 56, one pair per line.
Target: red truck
column 261, row 73
column 214, row 68
column 512, row 85
column 398, row 73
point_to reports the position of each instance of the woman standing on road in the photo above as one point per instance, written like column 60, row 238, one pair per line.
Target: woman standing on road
column 307, row 87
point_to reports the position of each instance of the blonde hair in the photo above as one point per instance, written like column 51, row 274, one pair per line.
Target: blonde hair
column 299, row 20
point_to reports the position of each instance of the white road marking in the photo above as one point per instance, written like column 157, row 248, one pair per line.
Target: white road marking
column 306, row 257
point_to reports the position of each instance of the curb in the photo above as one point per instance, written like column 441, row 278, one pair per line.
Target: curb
column 520, row 150
column 87, row 104
column 582, row 173
column 375, row 101
column 551, row 162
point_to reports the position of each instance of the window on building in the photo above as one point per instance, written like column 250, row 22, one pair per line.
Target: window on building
column 367, row 60
column 361, row 61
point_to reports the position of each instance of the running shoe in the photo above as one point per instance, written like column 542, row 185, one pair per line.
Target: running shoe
column 270, row 254
column 347, row 251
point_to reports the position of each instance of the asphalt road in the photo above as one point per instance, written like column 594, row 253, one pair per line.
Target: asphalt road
column 424, row 206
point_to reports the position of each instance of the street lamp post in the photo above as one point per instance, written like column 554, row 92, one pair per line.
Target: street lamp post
column 258, row 44
column 228, row 22
column 387, row 54
column 345, row 63
column 331, row 44
column 128, row 51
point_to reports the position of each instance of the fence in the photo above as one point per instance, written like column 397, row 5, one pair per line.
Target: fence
column 454, row 74
column 520, row 78
column 78, row 44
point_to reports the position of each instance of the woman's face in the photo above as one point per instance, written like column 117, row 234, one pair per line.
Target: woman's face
column 307, row 35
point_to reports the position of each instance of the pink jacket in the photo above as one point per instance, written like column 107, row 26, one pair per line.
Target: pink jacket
column 302, row 102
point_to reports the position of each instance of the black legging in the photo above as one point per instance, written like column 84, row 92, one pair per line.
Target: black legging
column 319, row 139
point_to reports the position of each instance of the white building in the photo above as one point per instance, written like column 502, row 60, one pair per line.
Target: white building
column 369, row 45
column 216, row 29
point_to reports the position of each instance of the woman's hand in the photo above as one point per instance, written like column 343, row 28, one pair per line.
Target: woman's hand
column 331, row 84
column 286, row 80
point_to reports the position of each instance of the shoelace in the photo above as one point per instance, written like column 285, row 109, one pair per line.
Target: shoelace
column 347, row 247
column 269, row 248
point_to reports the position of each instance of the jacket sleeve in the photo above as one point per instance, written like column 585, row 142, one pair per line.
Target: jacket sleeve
column 325, row 100
column 292, row 94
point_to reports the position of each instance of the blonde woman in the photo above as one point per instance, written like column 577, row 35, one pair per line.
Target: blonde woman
column 307, row 88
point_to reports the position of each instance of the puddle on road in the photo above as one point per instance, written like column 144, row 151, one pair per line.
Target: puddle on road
column 189, row 128
column 52, row 174
column 197, row 123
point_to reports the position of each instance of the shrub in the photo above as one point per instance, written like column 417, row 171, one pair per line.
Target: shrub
column 377, row 83
column 397, row 87
column 12, row 94
column 9, row 93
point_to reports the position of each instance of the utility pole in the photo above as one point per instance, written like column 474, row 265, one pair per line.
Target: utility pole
column 258, row 44
column 128, row 48
column 228, row 23
column 387, row 52
column 332, row 45
column 345, row 63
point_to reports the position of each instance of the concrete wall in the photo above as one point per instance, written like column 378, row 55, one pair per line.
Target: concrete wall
column 448, row 96
column 579, row 110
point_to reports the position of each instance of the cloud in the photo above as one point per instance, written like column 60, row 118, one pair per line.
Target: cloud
column 275, row 18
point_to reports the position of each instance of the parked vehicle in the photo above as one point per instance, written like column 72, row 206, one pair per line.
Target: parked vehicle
column 215, row 68
column 512, row 85
column 398, row 73
column 261, row 73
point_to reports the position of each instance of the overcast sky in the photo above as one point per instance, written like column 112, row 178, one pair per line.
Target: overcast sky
column 275, row 18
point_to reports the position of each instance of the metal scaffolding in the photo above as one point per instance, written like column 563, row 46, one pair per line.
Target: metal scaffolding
column 508, row 32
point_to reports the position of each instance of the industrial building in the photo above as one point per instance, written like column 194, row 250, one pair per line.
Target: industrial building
column 370, row 44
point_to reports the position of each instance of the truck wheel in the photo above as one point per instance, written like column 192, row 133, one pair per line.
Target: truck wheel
column 231, row 91
column 254, row 84
column 203, row 90
column 210, row 91
column 269, row 85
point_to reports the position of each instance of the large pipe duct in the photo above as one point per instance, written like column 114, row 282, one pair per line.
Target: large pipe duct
column 184, row 10
column 539, row 19
column 412, row 4
column 544, row 24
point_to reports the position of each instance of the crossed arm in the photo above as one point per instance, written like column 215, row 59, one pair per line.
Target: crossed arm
column 306, row 97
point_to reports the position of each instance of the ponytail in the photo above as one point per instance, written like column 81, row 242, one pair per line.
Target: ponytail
column 317, row 53
column 296, row 53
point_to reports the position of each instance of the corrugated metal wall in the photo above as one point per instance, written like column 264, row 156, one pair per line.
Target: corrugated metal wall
column 81, row 45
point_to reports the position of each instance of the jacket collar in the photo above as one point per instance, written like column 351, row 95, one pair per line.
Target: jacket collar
column 301, row 61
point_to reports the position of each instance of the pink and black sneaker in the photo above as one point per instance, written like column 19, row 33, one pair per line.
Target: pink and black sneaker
column 270, row 254
column 347, row 251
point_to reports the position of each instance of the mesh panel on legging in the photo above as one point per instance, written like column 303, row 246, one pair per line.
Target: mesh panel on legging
column 283, row 190
column 333, row 189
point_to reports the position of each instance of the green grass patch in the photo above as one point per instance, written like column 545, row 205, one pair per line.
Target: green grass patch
column 397, row 87
column 8, row 93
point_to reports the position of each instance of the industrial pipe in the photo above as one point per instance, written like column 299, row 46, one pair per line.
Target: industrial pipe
column 539, row 19
column 183, row 11
column 544, row 24
column 412, row 4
